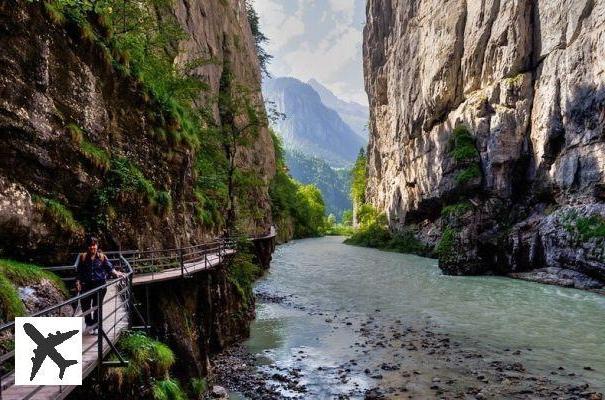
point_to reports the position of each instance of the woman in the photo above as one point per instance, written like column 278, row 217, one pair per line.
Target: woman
column 94, row 268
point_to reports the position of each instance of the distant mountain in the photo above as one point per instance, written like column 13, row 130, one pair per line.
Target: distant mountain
column 310, row 126
column 334, row 184
column 354, row 114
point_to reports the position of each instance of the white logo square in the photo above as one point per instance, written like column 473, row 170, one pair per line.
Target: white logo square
column 48, row 351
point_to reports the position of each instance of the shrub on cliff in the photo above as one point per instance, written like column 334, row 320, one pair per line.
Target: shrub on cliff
column 586, row 227
column 463, row 146
column 465, row 154
column 242, row 272
column 446, row 243
column 149, row 363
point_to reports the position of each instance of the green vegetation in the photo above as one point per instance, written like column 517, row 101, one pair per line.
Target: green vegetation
column 290, row 199
column 347, row 217
column 11, row 305
column 585, row 228
column 14, row 274
column 374, row 232
column 373, row 228
column 591, row 227
column 515, row 80
column 128, row 178
column 59, row 214
column 465, row 153
column 468, row 174
column 359, row 177
column 199, row 386
column 242, row 273
column 334, row 184
column 96, row 155
column 344, row 228
column 463, row 148
column 456, row 210
column 259, row 39
column 211, row 190
column 76, row 133
column 446, row 243
column 237, row 103
column 125, row 179
column 139, row 40
column 148, row 360
column 167, row 389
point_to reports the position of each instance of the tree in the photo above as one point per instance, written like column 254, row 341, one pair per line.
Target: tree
column 347, row 218
column 359, row 177
column 242, row 116
column 260, row 39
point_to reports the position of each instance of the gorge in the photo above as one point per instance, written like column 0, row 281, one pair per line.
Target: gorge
column 155, row 126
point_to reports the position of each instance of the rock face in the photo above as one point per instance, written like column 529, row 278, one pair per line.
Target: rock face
column 310, row 126
column 52, row 78
column 526, row 80
column 197, row 317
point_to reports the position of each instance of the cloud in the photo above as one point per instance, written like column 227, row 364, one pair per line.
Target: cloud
column 316, row 39
column 283, row 27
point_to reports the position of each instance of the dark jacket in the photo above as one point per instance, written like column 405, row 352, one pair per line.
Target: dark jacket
column 94, row 269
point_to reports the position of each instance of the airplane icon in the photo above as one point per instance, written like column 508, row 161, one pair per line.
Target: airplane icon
column 46, row 348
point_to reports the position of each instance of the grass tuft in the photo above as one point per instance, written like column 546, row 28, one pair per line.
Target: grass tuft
column 167, row 389
column 199, row 386
column 76, row 133
column 163, row 201
column 11, row 305
column 148, row 358
column 55, row 12
column 59, row 214
column 87, row 33
column 96, row 155
column 14, row 274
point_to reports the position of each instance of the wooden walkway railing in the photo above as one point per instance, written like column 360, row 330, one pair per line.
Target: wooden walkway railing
column 117, row 308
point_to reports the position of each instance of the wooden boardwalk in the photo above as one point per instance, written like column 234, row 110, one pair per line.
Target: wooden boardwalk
column 115, row 322
column 116, row 306
column 189, row 268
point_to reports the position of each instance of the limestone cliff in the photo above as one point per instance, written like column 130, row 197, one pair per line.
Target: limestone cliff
column 487, row 130
column 69, row 116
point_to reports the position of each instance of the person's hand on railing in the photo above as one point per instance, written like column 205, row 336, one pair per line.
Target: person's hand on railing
column 78, row 286
column 118, row 274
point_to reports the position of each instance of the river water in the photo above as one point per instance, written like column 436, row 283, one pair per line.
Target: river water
column 329, row 311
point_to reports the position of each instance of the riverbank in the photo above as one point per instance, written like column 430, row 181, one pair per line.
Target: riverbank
column 406, row 361
column 336, row 321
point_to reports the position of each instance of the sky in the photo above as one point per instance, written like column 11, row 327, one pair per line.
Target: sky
column 319, row 39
